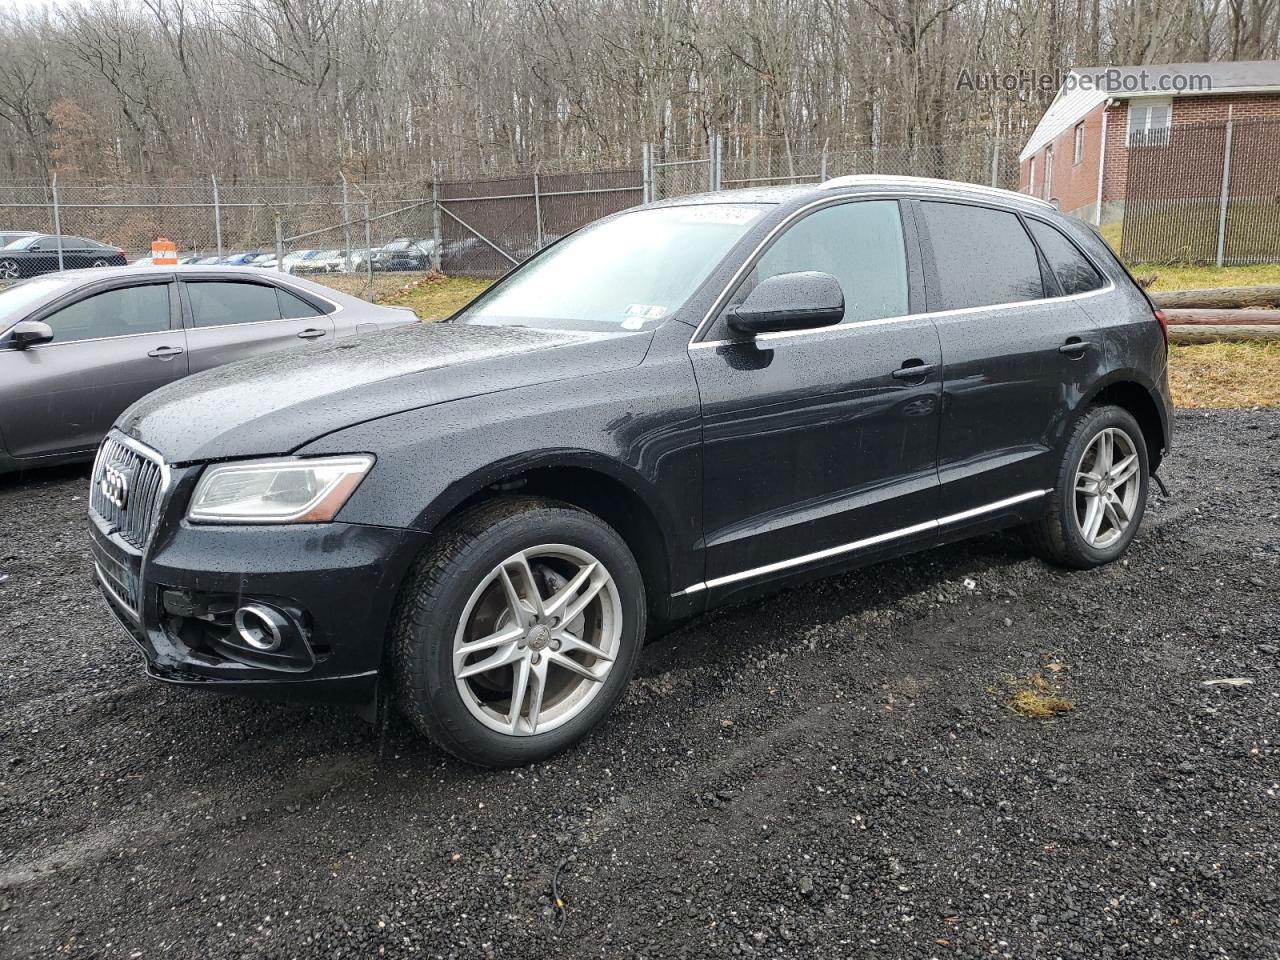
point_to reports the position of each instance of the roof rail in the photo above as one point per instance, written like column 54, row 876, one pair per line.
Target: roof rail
column 877, row 180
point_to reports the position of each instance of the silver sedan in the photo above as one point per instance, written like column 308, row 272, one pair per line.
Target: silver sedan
column 77, row 348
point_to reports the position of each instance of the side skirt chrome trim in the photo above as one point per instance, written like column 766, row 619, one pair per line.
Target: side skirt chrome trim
column 861, row 544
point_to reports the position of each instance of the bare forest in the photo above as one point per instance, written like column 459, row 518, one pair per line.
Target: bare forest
column 146, row 91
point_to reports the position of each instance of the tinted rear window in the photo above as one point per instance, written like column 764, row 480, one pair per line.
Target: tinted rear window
column 292, row 307
column 1075, row 273
column 983, row 257
column 216, row 303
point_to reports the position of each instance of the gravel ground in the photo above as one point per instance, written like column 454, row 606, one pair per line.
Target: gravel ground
column 831, row 772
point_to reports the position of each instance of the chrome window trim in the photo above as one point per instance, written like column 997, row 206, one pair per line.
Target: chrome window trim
column 256, row 323
column 844, row 548
column 119, row 336
column 959, row 311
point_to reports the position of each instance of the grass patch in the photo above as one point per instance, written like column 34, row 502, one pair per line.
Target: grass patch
column 1195, row 277
column 436, row 296
column 1234, row 374
column 1036, row 696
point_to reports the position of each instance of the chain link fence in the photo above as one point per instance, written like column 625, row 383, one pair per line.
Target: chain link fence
column 375, row 239
column 1204, row 193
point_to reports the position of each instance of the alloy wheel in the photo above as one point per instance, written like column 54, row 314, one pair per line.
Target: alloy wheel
column 8, row 270
column 100, row 263
column 537, row 639
column 1108, row 484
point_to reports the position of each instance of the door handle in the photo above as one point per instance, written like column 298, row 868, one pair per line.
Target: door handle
column 311, row 333
column 164, row 353
column 914, row 370
column 1074, row 347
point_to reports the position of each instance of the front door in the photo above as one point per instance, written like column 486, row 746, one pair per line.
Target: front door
column 109, row 348
column 820, row 446
column 232, row 320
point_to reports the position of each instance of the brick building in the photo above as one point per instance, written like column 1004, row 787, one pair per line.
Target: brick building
column 1078, row 153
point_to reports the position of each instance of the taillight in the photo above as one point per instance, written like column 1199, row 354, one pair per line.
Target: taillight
column 1164, row 325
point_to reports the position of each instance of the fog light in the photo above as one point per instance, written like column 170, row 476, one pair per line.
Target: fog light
column 261, row 627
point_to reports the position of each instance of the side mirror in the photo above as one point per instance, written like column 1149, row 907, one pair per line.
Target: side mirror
column 27, row 333
column 790, row 301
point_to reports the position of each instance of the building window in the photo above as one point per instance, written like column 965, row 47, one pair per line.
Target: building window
column 1031, row 177
column 1149, row 122
column 1079, row 148
column 1048, row 173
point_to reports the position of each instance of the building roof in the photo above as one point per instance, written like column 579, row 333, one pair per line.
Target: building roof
column 1086, row 87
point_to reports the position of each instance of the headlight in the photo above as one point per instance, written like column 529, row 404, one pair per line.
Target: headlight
column 277, row 491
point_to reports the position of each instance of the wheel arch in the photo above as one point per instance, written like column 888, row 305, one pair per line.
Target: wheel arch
column 583, row 479
column 1130, row 394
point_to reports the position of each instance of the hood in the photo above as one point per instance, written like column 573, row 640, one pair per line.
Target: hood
column 273, row 404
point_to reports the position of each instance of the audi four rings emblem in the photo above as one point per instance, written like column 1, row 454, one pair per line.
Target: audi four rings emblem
column 115, row 487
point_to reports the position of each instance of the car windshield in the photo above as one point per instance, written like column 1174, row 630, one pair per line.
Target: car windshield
column 16, row 301
column 630, row 272
column 397, row 245
column 23, row 243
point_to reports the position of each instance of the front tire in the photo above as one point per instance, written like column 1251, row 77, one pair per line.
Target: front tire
column 1100, row 495
column 517, row 631
column 9, row 270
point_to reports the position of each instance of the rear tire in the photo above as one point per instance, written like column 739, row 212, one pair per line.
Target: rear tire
column 1100, row 495
column 518, row 631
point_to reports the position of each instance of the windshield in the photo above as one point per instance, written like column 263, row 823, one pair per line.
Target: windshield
column 23, row 243
column 630, row 272
column 16, row 301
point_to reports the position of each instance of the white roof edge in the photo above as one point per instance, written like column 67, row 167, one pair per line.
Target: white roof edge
column 873, row 179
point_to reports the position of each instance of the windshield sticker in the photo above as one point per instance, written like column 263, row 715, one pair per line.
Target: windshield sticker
column 633, row 323
column 646, row 311
column 717, row 213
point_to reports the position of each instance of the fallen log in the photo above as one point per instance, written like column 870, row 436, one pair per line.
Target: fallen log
column 1223, row 298
column 1199, row 317
column 1215, row 334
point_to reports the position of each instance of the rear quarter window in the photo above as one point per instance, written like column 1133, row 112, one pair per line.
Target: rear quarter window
column 1074, row 271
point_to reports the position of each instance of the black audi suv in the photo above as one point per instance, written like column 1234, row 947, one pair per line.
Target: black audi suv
column 692, row 402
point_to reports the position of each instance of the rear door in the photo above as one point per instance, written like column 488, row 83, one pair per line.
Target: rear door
column 820, row 446
column 230, row 320
column 111, row 345
column 1017, row 357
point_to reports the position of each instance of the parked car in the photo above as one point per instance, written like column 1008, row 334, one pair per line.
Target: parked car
column 682, row 405
column 9, row 236
column 77, row 348
column 404, row 254
column 38, row 254
column 292, row 260
column 242, row 259
column 209, row 261
column 324, row 261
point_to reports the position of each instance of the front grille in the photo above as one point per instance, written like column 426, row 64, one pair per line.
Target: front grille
column 126, row 489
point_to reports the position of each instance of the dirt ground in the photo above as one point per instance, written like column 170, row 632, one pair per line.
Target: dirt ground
column 834, row 771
